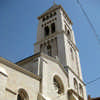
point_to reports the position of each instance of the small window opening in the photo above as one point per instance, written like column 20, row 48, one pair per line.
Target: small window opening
column 51, row 15
column 43, row 19
column 47, row 17
column 68, row 34
column 55, row 13
column 46, row 29
column 53, row 27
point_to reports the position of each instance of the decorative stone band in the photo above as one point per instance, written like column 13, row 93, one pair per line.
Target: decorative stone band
column 71, row 92
column 9, row 90
column 52, row 36
column 73, row 45
column 3, row 74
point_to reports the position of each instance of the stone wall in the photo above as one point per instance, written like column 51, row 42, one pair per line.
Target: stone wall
column 17, row 78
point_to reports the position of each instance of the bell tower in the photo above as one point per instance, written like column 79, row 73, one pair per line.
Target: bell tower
column 55, row 38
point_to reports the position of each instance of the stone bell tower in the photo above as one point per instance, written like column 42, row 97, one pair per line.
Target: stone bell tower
column 55, row 38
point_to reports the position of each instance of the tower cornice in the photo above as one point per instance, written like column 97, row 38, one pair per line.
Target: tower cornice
column 53, row 8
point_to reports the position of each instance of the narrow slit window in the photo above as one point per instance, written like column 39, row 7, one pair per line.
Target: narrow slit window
column 55, row 13
column 75, row 85
column 46, row 29
column 53, row 27
column 50, row 15
column 69, row 34
column 43, row 19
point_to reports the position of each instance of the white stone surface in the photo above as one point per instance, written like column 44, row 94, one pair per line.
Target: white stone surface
column 15, row 81
column 13, row 78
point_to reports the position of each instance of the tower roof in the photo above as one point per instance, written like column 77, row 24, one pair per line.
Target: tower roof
column 53, row 8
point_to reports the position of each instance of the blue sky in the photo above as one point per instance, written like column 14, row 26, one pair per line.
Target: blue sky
column 18, row 28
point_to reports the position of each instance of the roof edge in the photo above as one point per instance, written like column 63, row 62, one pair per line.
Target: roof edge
column 27, row 59
column 18, row 68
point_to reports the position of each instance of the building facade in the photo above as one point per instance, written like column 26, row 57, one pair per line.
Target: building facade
column 96, row 98
column 54, row 71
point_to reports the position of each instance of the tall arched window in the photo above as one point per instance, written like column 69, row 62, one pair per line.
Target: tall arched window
column 75, row 85
column 58, row 85
column 49, row 50
column 22, row 95
column 53, row 28
column 80, row 89
column 46, row 30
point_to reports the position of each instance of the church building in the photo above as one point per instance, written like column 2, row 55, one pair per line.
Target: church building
column 54, row 71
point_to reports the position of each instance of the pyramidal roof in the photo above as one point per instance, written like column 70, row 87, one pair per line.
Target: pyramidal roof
column 52, row 8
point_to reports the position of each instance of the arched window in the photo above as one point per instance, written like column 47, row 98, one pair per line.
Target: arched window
column 22, row 95
column 75, row 85
column 52, row 27
column 46, row 30
column 58, row 85
column 49, row 50
column 80, row 89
